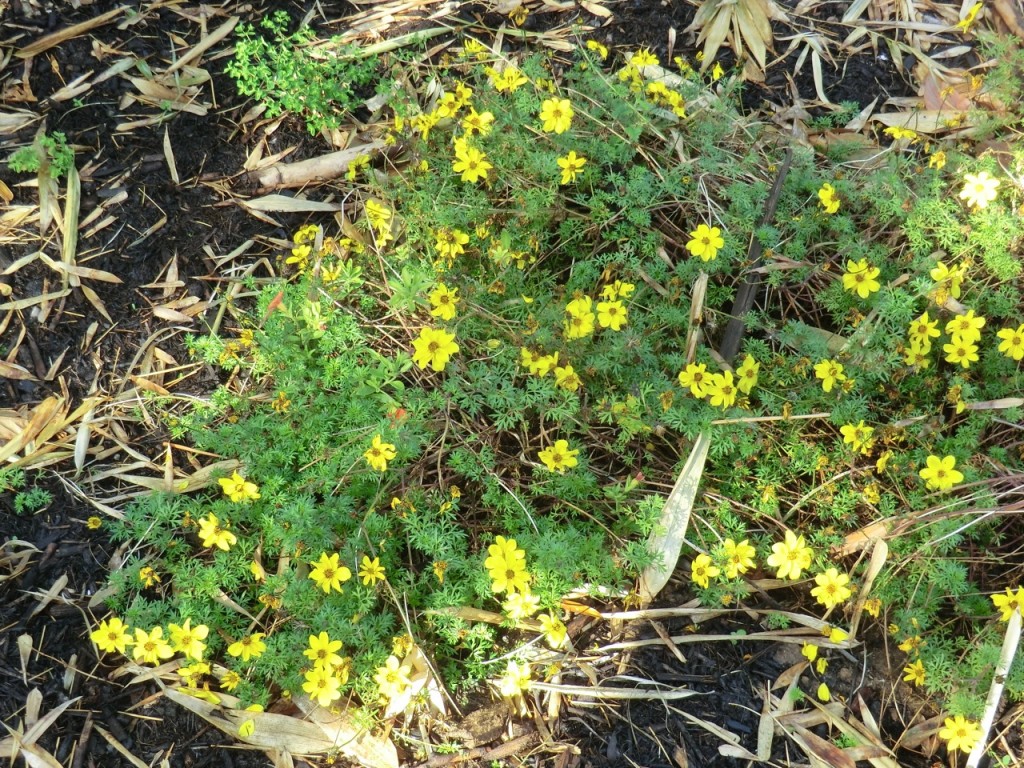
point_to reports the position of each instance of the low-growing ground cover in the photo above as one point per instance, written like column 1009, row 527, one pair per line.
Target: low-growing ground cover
column 470, row 394
column 460, row 405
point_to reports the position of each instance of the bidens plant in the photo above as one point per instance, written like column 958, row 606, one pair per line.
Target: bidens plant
column 456, row 399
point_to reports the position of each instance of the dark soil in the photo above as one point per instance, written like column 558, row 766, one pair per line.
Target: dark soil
column 157, row 222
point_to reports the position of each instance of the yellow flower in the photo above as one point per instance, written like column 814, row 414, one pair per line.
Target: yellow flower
column 979, row 189
column 94, row 522
column 237, row 488
column 581, row 319
column 477, row 123
column 917, row 356
column 696, row 378
column 281, row 403
column 371, row 571
column 515, row 680
column 828, row 199
column 961, row 351
column 739, row 558
column 966, row 22
column 554, row 630
column 379, row 454
column 831, row 589
column 556, row 115
column 898, row 133
column 791, row 556
column 830, row 372
column 942, row 274
column 858, row 435
column 721, row 390
column 230, row 680
column 824, row 694
column 423, row 124
column 1012, row 344
column 328, row 573
column 598, row 48
column 450, row 242
column 322, row 686
column 1008, row 602
column 922, row 331
column 860, row 277
column 355, row 164
column 507, row 81
column 392, row 679
column 571, row 165
column 912, row 644
column 937, row 160
column 212, row 535
column 611, row 314
column 249, row 647
column 914, row 673
column 188, row 640
column 717, row 71
column 257, row 571
column 939, row 474
column 559, row 457
column 746, row 374
column 112, row 635
column 148, row 576
column 873, row 606
column 472, row 164
column 643, row 58
column 705, row 242
column 378, row 215
column 809, row 651
column 835, row 634
column 520, row 605
column 506, row 565
column 959, row 733
column 966, row 326
column 151, row 647
column 567, row 378
column 434, row 348
column 617, row 290
column 323, row 651
column 702, row 570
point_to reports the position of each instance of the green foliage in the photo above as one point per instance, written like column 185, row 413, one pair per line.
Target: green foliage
column 47, row 153
column 564, row 431
column 32, row 500
column 291, row 73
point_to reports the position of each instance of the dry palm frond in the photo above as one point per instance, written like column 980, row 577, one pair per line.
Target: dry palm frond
column 745, row 24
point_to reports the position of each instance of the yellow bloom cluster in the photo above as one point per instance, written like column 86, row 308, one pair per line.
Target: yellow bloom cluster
column 541, row 365
column 732, row 558
column 720, row 389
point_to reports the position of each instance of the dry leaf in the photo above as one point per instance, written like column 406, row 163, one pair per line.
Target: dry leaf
column 670, row 532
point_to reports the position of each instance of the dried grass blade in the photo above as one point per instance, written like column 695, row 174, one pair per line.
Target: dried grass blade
column 1011, row 641
column 97, row 302
column 204, row 45
column 61, row 35
column 15, row 372
column 621, row 694
column 26, row 303
column 668, row 536
column 41, row 416
column 72, row 206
